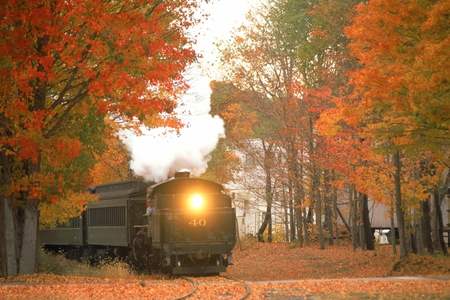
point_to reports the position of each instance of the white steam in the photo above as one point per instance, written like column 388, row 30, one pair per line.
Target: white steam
column 156, row 155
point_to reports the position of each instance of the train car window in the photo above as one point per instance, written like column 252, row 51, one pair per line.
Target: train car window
column 73, row 223
column 107, row 216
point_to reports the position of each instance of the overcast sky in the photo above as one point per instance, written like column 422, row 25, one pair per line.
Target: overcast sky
column 224, row 16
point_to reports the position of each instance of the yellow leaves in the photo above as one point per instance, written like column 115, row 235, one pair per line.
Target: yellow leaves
column 239, row 40
column 437, row 17
column 68, row 204
column 62, row 150
column 239, row 122
column 113, row 164
column 328, row 123
column 399, row 48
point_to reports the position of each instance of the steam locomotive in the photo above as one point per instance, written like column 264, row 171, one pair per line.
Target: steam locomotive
column 182, row 225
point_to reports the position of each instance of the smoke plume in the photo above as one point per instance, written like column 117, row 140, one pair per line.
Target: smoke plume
column 157, row 154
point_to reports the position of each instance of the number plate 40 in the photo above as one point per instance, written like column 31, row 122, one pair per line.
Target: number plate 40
column 197, row 222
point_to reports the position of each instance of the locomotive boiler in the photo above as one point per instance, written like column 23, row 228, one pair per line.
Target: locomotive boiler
column 182, row 225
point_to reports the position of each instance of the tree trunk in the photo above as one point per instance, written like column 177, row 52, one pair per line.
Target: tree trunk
column 268, row 161
column 335, row 211
column 269, row 231
column 426, row 225
column 343, row 219
column 418, row 237
column 399, row 206
column 299, row 202
column 289, row 215
column 291, row 189
column 437, row 202
column 8, row 232
column 362, row 235
column 7, row 238
column 393, row 237
column 319, row 222
column 305, row 226
column 319, row 212
column 368, row 236
column 354, row 218
column 265, row 223
column 30, row 230
column 268, row 216
column 309, row 230
column 299, row 222
column 435, row 224
column 410, row 239
column 328, row 208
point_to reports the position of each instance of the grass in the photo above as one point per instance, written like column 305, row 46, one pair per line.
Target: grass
column 57, row 264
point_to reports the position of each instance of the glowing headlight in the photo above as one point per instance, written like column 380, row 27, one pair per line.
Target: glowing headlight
column 197, row 202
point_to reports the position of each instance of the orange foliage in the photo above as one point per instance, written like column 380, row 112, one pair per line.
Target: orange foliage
column 69, row 65
column 397, row 98
column 401, row 88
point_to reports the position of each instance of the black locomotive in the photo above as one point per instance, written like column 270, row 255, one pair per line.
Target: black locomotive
column 183, row 225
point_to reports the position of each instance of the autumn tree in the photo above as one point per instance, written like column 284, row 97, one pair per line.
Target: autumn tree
column 270, row 59
column 242, row 128
column 383, row 106
column 66, row 68
column 224, row 163
column 113, row 161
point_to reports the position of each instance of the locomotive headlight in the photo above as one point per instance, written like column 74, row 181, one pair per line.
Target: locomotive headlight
column 197, row 202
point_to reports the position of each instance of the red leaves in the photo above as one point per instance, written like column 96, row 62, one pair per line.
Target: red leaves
column 66, row 60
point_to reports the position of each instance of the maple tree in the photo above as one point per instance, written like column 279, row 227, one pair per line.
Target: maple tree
column 253, row 143
column 342, row 151
column 67, row 67
column 113, row 161
column 391, row 59
column 224, row 162
column 384, row 109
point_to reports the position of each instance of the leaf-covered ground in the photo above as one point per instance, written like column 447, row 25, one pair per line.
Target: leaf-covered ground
column 308, row 273
column 257, row 261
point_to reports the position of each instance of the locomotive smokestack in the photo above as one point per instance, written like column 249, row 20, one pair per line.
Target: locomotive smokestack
column 184, row 174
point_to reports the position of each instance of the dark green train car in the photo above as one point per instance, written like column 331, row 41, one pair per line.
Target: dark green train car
column 65, row 235
column 115, row 219
column 108, row 226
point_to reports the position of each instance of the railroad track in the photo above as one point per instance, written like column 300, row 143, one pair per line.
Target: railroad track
column 247, row 289
column 195, row 288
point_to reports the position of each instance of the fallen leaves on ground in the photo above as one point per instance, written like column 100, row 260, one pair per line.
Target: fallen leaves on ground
column 307, row 271
column 260, row 261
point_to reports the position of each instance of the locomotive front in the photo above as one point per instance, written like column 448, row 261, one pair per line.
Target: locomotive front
column 191, row 226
